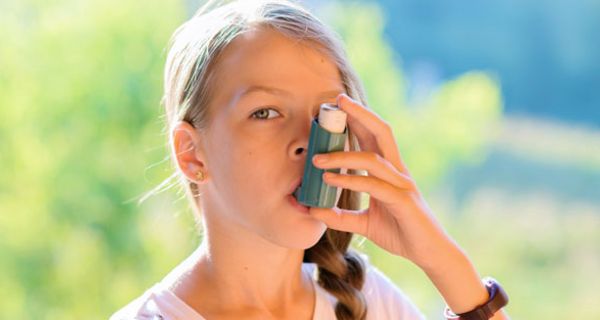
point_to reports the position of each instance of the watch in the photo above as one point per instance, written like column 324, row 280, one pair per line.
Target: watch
column 498, row 299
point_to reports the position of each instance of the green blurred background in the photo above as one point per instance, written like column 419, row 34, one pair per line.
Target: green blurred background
column 82, row 137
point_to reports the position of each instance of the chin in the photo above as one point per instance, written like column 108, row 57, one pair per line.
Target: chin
column 301, row 237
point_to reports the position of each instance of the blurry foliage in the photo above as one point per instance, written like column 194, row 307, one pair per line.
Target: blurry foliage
column 545, row 52
column 80, row 136
column 81, row 85
column 453, row 125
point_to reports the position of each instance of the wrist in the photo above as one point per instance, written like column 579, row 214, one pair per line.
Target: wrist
column 457, row 281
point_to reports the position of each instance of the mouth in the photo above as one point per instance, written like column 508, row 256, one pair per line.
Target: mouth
column 295, row 186
column 292, row 196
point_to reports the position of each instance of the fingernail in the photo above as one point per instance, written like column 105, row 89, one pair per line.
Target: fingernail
column 320, row 158
column 348, row 99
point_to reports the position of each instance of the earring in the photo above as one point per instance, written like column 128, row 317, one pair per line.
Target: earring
column 200, row 175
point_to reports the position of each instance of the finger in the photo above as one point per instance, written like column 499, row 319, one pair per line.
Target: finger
column 373, row 133
column 365, row 137
column 355, row 221
column 376, row 188
column 373, row 163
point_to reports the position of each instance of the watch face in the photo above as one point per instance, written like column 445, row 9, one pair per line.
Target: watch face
column 500, row 299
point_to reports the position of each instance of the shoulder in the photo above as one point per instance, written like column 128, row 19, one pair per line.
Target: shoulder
column 384, row 299
column 156, row 303
column 140, row 308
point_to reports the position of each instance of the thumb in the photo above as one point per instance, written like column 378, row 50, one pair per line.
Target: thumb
column 354, row 221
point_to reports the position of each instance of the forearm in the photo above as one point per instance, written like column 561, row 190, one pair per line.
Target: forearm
column 459, row 283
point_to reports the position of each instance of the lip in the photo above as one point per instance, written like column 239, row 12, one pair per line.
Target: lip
column 292, row 200
column 297, row 205
column 295, row 185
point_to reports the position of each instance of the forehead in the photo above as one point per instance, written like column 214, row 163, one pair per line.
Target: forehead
column 265, row 57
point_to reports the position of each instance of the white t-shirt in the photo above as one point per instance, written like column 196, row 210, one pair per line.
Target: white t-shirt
column 384, row 301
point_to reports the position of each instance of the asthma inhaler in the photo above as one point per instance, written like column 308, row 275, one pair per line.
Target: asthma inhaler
column 328, row 133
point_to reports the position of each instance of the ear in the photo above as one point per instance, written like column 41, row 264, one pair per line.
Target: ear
column 185, row 141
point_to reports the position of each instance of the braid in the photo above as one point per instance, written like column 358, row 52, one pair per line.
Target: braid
column 341, row 271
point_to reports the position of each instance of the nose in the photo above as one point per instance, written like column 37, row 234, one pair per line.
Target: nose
column 299, row 147
column 299, row 151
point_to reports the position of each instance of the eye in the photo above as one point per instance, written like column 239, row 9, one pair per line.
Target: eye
column 258, row 114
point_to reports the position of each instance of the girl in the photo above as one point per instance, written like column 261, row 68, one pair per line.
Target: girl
column 242, row 83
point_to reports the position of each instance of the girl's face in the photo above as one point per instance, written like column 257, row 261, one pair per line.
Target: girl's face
column 268, row 88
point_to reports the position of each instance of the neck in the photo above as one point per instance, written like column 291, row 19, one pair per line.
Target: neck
column 245, row 270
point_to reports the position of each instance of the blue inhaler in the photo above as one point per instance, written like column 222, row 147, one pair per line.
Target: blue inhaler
column 328, row 133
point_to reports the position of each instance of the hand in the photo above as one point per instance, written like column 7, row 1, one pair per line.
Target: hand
column 397, row 219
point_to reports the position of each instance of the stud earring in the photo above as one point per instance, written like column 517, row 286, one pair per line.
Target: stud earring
column 200, row 175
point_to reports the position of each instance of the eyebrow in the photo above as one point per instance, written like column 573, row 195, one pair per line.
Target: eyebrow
column 281, row 92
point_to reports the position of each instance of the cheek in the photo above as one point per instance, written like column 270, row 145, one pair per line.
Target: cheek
column 255, row 161
column 243, row 167
column 235, row 146
column 258, row 144
column 245, row 157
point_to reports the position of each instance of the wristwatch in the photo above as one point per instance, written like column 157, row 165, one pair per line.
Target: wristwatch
column 498, row 299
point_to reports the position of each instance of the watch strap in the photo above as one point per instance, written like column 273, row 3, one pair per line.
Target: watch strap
column 498, row 299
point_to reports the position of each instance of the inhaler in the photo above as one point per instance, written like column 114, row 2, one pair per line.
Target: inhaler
column 328, row 133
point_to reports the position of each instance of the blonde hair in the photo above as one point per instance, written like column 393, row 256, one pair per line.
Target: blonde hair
column 194, row 50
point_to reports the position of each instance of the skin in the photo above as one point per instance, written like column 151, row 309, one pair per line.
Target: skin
column 252, row 233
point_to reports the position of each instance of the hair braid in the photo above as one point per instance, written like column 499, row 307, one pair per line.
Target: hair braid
column 341, row 271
